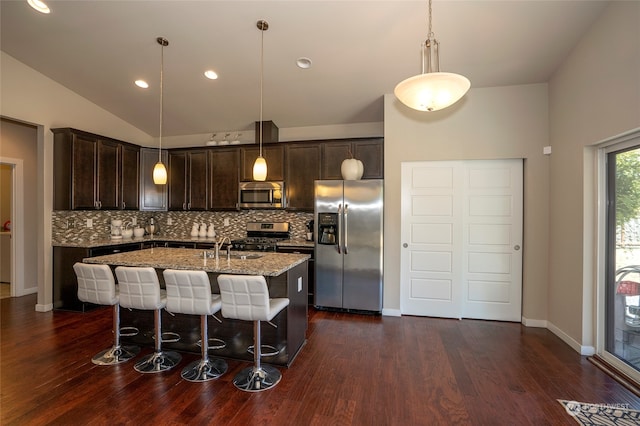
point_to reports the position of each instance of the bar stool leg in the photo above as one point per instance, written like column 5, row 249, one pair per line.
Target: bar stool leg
column 158, row 361
column 257, row 378
column 116, row 354
column 205, row 368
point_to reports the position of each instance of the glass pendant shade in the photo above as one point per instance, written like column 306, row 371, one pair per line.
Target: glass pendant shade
column 159, row 174
column 432, row 91
column 260, row 169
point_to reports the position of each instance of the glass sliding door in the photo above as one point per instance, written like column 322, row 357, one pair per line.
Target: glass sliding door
column 622, row 301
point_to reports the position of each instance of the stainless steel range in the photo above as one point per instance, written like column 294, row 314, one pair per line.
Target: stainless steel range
column 262, row 236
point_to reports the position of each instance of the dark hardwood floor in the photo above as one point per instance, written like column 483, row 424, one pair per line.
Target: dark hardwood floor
column 354, row 370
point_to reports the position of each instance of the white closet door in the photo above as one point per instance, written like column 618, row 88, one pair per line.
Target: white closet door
column 462, row 235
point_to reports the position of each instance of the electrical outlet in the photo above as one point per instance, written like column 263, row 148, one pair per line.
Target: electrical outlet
column 226, row 221
column 134, row 221
column 89, row 223
column 169, row 221
column 299, row 284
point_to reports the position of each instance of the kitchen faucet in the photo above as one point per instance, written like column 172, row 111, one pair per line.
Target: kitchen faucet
column 219, row 244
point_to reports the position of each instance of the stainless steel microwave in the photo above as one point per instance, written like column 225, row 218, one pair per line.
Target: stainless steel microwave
column 262, row 195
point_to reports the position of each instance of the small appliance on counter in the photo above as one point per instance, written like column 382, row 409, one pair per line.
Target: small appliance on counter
column 116, row 229
column 310, row 230
column 152, row 228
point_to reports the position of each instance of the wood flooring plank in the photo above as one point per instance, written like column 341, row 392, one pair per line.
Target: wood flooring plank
column 354, row 370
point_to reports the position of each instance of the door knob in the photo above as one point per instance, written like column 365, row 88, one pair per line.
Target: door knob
column 516, row 247
column 405, row 245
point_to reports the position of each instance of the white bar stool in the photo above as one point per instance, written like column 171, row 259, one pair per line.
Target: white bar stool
column 246, row 297
column 96, row 285
column 189, row 292
column 140, row 289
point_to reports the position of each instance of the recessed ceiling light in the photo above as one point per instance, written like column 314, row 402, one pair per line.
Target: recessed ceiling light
column 303, row 63
column 211, row 75
column 39, row 5
column 142, row 84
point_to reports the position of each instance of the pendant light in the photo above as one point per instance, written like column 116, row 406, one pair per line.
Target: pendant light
column 159, row 170
column 260, row 166
column 432, row 90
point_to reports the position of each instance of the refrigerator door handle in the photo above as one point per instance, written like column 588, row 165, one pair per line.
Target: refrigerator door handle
column 339, row 230
column 346, row 230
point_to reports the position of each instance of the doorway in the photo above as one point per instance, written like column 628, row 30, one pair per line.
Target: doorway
column 19, row 150
column 462, row 239
column 622, row 255
column 6, row 243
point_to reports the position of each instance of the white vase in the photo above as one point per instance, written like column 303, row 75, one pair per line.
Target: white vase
column 203, row 231
column 351, row 169
column 211, row 232
column 194, row 230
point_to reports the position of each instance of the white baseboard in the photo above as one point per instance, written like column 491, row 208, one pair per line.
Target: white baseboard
column 529, row 322
column 391, row 312
column 581, row 349
column 44, row 308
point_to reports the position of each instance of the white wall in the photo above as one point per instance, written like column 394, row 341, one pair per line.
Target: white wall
column 30, row 97
column 594, row 95
column 490, row 123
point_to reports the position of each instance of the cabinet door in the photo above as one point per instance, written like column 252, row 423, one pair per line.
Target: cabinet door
column 107, row 187
column 152, row 197
column 198, row 180
column 224, row 165
column 303, row 168
column 273, row 155
column 130, row 177
column 333, row 154
column 177, row 180
column 83, row 166
column 372, row 156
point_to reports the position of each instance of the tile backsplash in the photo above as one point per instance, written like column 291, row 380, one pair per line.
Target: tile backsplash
column 72, row 225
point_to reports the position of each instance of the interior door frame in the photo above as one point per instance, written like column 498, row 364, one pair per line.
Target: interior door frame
column 17, row 225
column 600, row 153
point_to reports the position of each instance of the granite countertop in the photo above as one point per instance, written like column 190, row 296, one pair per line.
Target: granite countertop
column 267, row 264
column 111, row 242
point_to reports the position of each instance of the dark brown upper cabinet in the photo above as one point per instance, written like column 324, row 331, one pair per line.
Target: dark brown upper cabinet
column 369, row 151
column 188, row 179
column 152, row 197
column 303, row 168
column 88, row 172
column 224, row 169
column 273, row 155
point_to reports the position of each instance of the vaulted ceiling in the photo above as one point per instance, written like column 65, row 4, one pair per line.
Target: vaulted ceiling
column 359, row 51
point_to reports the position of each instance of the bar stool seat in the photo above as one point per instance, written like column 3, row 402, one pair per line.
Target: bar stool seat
column 246, row 297
column 96, row 285
column 140, row 289
column 189, row 292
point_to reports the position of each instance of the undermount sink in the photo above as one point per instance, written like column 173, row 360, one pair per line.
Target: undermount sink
column 244, row 256
column 239, row 256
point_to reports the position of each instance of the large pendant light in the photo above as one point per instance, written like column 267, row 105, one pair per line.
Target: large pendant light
column 260, row 166
column 432, row 90
column 159, row 170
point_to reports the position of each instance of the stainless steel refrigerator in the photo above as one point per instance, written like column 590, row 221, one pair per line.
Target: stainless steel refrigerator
column 348, row 244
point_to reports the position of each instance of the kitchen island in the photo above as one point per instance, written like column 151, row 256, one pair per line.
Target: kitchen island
column 286, row 276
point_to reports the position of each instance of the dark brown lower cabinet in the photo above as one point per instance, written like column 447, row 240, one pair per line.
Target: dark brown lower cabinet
column 65, row 283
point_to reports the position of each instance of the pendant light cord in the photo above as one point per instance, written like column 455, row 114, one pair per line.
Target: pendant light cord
column 161, row 100
column 261, row 80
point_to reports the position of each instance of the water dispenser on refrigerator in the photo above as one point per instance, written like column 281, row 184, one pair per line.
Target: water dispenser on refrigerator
column 327, row 228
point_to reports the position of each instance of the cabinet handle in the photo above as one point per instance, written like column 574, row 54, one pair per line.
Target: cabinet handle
column 184, row 206
column 188, row 206
column 124, row 205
